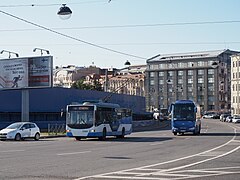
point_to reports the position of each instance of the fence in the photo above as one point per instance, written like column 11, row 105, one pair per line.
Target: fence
column 55, row 129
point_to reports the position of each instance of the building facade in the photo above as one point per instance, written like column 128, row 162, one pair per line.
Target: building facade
column 235, row 84
column 129, row 81
column 66, row 76
column 203, row 77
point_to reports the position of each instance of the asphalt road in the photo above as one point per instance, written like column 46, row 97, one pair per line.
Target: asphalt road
column 158, row 154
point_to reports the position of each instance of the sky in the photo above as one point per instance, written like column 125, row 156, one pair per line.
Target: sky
column 108, row 34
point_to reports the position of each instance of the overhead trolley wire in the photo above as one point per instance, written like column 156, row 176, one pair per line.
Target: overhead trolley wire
column 70, row 37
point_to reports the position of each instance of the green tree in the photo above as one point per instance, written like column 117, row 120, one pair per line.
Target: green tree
column 81, row 85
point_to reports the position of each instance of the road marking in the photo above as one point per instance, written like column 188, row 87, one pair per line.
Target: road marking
column 150, row 175
column 72, row 153
column 10, row 151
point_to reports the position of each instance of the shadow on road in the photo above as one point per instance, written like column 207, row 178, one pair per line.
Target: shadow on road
column 134, row 139
column 219, row 134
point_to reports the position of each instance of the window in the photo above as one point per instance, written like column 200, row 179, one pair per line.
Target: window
column 151, row 82
column 151, row 74
column 32, row 126
column 180, row 64
column 161, row 66
column 200, row 71
column 211, row 80
column 190, row 81
column 200, row 63
column 210, row 71
column 210, row 87
column 180, row 73
column 190, row 89
column 161, row 81
column 200, row 80
column 190, row 64
column 180, row 81
column 161, row 74
column 211, row 98
column 190, row 72
column 170, row 73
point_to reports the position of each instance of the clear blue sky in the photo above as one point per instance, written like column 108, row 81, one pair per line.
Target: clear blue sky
column 143, row 41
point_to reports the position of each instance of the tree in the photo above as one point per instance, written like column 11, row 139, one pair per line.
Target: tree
column 81, row 85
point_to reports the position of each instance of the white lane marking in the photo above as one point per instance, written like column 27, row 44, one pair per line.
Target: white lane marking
column 72, row 153
column 205, row 160
column 10, row 151
column 175, row 160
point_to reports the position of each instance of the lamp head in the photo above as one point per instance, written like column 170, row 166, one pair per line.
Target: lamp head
column 214, row 64
column 127, row 63
column 64, row 12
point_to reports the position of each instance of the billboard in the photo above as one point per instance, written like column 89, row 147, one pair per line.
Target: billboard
column 28, row 72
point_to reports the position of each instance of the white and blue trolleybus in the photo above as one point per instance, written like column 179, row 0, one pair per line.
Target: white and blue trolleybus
column 97, row 119
column 185, row 117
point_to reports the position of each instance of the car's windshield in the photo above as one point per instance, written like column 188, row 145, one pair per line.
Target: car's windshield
column 184, row 112
column 14, row 126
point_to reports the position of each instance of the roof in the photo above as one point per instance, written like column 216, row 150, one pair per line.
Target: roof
column 190, row 55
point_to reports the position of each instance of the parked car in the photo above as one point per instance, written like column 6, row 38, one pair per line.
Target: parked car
column 20, row 130
column 229, row 119
column 224, row 116
column 208, row 116
column 236, row 119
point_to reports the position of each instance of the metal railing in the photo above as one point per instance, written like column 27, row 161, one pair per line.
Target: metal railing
column 56, row 129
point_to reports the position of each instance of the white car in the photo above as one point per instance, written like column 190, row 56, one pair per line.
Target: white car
column 229, row 119
column 20, row 130
column 236, row 119
column 208, row 116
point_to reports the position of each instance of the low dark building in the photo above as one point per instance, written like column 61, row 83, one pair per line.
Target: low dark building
column 45, row 105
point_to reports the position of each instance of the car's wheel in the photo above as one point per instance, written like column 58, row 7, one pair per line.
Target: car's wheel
column 37, row 137
column 174, row 133
column 18, row 137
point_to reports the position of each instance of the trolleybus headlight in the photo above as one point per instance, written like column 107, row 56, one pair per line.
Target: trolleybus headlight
column 68, row 130
column 92, row 130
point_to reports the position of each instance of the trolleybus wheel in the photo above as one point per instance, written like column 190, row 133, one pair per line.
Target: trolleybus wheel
column 104, row 133
column 78, row 138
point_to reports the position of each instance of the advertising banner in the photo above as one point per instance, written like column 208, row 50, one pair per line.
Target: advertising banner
column 29, row 72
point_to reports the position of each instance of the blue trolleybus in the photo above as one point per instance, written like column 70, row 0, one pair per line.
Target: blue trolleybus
column 97, row 119
column 185, row 117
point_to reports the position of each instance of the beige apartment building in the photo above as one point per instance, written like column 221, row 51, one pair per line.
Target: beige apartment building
column 235, row 84
column 65, row 76
column 129, row 80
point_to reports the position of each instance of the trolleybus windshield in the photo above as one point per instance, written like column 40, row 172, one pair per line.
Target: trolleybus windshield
column 80, row 117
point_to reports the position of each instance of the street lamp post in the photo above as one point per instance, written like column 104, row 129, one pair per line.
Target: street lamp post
column 9, row 53
column 41, row 50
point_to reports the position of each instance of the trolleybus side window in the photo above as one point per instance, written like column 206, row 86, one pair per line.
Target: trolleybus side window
column 105, row 115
